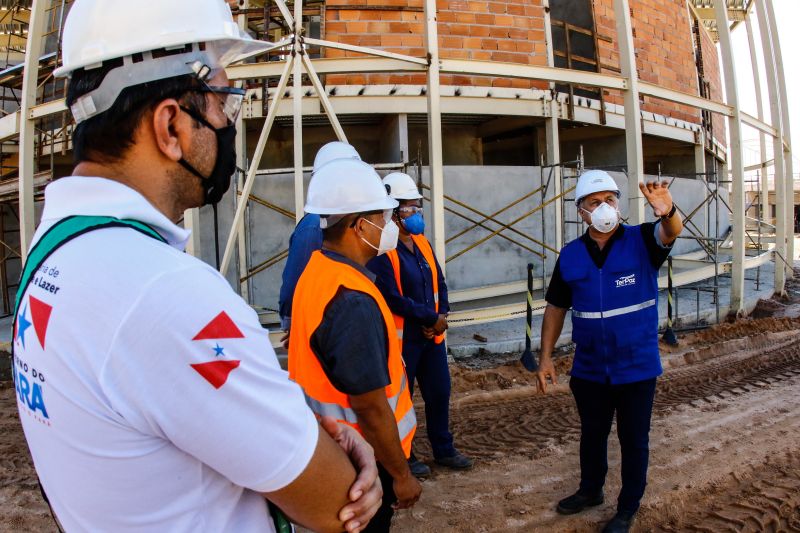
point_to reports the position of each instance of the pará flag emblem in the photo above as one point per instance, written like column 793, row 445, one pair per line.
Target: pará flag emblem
column 216, row 372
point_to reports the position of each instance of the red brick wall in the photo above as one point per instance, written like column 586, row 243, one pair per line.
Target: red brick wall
column 510, row 31
column 513, row 31
column 664, row 51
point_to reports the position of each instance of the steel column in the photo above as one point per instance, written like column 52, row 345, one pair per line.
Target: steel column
column 786, row 140
column 762, row 138
column 552, row 140
column 435, row 161
column 27, row 127
column 297, row 109
column 737, row 166
column 781, row 231
column 633, row 118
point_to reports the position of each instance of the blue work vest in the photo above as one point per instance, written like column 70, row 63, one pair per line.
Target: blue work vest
column 614, row 311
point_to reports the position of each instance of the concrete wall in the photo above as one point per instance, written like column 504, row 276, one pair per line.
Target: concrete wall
column 484, row 188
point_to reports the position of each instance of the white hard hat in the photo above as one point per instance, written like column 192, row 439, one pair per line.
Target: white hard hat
column 347, row 186
column 333, row 151
column 401, row 186
column 198, row 37
column 593, row 181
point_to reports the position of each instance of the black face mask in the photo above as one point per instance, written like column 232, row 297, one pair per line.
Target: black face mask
column 219, row 181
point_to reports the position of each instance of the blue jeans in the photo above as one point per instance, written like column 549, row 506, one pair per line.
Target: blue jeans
column 633, row 404
column 427, row 363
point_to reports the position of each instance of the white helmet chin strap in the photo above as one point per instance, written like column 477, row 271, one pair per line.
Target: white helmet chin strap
column 197, row 62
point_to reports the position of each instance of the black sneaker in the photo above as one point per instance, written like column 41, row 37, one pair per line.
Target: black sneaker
column 419, row 469
column 456, row 462
column 621, row 523
column 578, row 502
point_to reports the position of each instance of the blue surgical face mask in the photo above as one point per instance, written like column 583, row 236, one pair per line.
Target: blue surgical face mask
column 414, row 224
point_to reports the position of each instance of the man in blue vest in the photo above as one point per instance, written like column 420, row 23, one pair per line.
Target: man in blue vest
column 609, row 277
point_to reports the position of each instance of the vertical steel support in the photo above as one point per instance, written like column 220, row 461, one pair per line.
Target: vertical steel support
column 553, row 155
column 763, row 190
column 402, row 133
column 27, row 126
column 700, row 153
column 297, row 108
column 435, row 161
column 191, row 221
column 241, row 162
column 633, row 117
column 786, row 140
column 770, row 64
column 737, row 202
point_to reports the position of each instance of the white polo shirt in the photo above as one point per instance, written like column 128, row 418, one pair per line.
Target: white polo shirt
column 149, row 393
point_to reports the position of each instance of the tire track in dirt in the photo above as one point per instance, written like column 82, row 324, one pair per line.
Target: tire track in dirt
column 765, row 500
column 528, row 425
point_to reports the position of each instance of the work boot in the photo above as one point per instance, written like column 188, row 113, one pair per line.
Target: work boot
column 578, row 502
column 418, row 469
column 621, row 523
column 455, row 462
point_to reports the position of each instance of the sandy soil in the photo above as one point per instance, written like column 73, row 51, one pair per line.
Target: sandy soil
column 725, row 443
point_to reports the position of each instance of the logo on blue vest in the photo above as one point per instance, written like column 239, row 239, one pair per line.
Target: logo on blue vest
column 626, row 281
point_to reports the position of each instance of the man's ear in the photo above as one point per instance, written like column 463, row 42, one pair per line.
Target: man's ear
column 170, row 128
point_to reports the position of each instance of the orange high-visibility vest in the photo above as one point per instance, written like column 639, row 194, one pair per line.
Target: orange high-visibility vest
column 317, row 286
column 427, row 252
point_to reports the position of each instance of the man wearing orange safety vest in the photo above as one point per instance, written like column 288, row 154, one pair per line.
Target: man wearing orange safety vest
column 343, row 348
column 412, row 283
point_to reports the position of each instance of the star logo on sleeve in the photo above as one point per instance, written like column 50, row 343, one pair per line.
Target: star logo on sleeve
column 216, row 372
column 40, row 320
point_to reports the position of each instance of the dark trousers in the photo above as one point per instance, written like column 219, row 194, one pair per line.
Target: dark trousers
column 633, row 404
column 427, row 363
column 382, row 520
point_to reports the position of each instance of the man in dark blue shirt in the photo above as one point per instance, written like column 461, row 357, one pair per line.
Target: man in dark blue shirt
column 412, row 283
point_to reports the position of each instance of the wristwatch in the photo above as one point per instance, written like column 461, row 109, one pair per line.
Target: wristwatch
column 671, row 212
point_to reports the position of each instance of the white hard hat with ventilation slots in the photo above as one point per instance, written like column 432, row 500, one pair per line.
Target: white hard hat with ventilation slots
column 333, row 151
column 401, row 186
column 347, row 186
column 593, row 181
column 155, row 39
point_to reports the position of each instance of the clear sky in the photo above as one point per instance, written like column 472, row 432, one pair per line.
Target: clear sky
column 787, row 13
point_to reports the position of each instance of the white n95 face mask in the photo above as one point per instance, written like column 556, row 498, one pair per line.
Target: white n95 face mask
column 604, row 218
column 389, row 235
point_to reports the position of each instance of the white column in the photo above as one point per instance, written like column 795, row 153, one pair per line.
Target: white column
column 553, row 150
column 27, row 127
column 737, row 202
column 241, row 162
column 778, row 166
column 633, row 120
column 435, row 161
column 787, row 136
column 762, row 138
column 700, row 153
column 297, row 108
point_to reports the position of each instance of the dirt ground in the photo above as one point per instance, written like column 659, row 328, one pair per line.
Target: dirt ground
column 725, row 442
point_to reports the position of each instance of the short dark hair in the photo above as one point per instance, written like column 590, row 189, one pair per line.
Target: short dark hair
column 335, row 232
column 107, row 137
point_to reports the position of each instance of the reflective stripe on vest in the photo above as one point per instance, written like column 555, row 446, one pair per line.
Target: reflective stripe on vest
column 427, row 252
column 318, row 285
column 614, row 312
column 345, row 413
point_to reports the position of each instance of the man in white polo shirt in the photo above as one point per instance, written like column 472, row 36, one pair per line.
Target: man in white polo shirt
column 149, row 394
